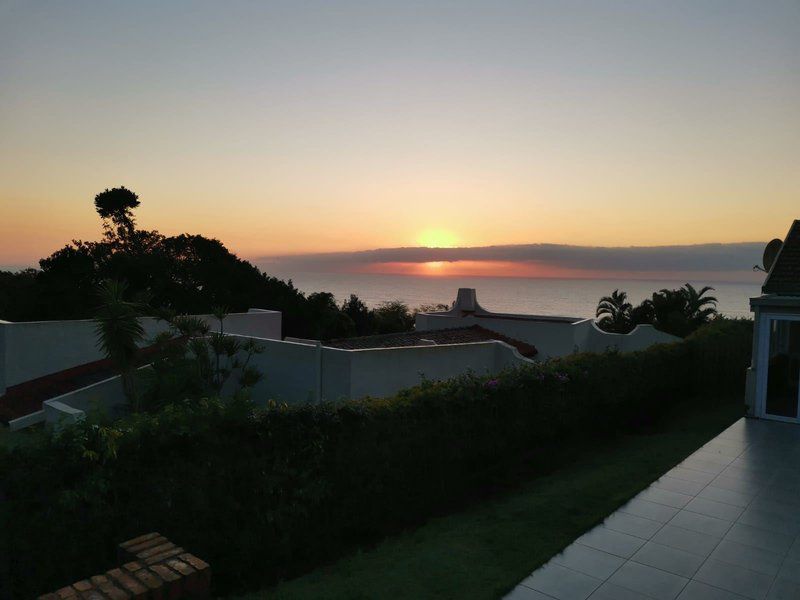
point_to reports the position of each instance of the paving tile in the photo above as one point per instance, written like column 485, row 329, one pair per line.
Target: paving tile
column 784, row 589
column 697, row 590
column 610, row 591
column 649, row 510
column 759, row 538
column 734, row 579
column 683, row 539
column 722, row 525
column 703, row 465
column 633, row 525
column 691, row 475
column 613, row 542
column 763, row 461
column 775, row 507
column 661, row 496
column 749, row 475
column 713, row 457
column 589, row 561
column 727, row 447
column 718, row 494
column 649, row 581
column 769, row 521
column 561, row 583
column 702, row 523
column 790, row 569
column 781, row 494
column 522, row 592
column 668, row 559
column 712, row 508
column 749, row 557
column 794, row 549
column 682, row 486
column 737, row 484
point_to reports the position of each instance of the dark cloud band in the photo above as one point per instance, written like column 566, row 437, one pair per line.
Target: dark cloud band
column 699, row 257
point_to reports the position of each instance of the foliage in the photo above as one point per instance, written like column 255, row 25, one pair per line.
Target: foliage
column 678, row 312
column 392, row 317
column 120, row 333
column 264, row 494
column 193, row 363
column 186, row 273
column 389, row 317
column 522, row 518
column 115, row 207
column 359, row 314
column 614, row 312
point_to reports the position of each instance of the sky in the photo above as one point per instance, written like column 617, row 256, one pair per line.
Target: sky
column 297, row 127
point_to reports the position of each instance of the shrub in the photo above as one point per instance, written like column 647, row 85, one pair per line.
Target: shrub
column 267, row 493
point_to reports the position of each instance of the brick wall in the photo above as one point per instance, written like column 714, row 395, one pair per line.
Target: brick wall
column 151, row 568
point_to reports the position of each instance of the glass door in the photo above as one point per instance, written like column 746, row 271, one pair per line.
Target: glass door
column 782, row 393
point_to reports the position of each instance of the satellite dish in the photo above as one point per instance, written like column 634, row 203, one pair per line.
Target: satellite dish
column 771, row 252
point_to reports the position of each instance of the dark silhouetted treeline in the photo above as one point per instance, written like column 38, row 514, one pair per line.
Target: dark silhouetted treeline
column 184, row 273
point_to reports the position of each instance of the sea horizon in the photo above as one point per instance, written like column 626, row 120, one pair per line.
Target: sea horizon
column 562, row 296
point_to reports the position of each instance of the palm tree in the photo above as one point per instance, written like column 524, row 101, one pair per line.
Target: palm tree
column 668, row 310
column 119, row 334
column 700, row 308
column 614, row 313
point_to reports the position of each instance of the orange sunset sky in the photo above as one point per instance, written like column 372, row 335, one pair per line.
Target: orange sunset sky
column 285, row 128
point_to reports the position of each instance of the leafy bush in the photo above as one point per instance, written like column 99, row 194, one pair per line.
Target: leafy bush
column 266, row 493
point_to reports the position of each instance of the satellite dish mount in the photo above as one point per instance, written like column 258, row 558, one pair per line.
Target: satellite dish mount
column 770, row 254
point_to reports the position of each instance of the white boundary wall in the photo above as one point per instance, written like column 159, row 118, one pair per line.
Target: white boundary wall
column 298, row 373
column 307, row 372
column 552, row 336
column 29, row 350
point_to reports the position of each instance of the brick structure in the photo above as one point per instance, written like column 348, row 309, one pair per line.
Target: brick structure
column 151, row 568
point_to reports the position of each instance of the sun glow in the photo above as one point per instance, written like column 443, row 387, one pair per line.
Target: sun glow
column 434, row 267
column 437, row 238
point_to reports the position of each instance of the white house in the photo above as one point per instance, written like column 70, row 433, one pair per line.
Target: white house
column 552, row 336
column 773, row 379
column 51, row 371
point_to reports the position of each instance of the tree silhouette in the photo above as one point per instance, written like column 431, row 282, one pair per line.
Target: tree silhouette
column 614, row 313
column 119, row 334
column 355, row 308
column 700, row 308
column 115, row 207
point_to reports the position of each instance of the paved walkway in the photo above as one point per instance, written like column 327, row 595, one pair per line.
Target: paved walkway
column 722, row 525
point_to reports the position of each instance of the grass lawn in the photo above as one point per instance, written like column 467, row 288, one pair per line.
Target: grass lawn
column 486, row 549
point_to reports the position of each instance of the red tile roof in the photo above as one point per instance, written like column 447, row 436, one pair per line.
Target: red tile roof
column 27, row 397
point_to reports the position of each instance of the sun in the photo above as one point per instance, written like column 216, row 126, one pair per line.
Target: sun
column 437, row 238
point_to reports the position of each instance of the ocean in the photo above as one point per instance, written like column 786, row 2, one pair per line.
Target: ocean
column 565, row 297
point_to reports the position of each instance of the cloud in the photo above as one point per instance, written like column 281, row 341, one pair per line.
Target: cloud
column 684, row 258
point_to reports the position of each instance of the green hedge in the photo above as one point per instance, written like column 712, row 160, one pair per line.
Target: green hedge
column 265, row 494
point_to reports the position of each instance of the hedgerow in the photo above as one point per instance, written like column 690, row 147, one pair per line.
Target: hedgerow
column 264, row 494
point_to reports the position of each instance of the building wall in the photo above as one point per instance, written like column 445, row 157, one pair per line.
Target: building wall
column 3, row 385
column 552, row 337
column 106, row 396
column 386, row 371
column 29, row 350
column 590, row 338
column 289, row 372
column 772, row 306
column 301, row 372
column 297, row 373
